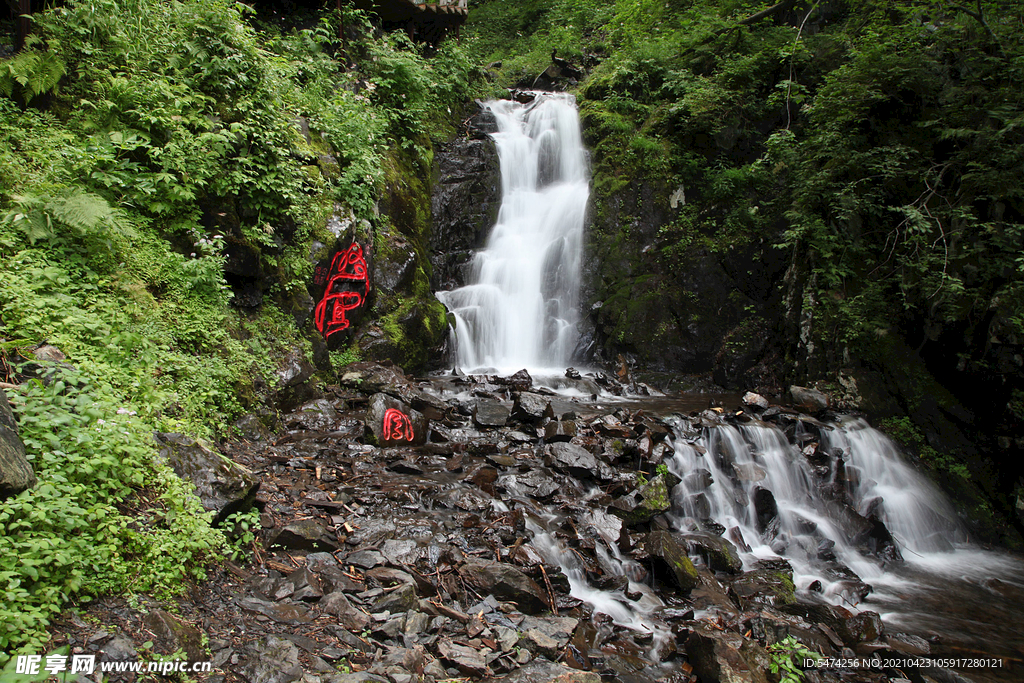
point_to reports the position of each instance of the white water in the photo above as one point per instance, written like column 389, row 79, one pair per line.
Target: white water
column 520, row 308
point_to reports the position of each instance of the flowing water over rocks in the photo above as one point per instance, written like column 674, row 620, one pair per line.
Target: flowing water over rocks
column 625, row 544
column 519, row 307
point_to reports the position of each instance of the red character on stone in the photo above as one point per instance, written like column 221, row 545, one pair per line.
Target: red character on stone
column 397, row 426
column 348, row 269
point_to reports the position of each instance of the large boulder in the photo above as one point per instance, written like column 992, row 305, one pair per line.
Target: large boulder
column 394, row 423
column 15, row 473
column 223, row 487
column 643, row 504
column 572, row 459
column 726, row 657
column 666, row 552
column 506, row 583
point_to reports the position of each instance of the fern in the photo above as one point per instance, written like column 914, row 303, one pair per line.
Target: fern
column 31, row 73
column 77, row 211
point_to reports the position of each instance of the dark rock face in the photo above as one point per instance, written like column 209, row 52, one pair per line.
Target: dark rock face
column 222, row 486
column 465, row 201
column 505, row 582
column 393, row 423
column 809, row 400
column 15, row 473
column 666, row 552
column 173, row 635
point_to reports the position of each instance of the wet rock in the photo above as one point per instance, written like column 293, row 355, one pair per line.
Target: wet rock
column 520, row 381
column 349, row 617
column 15, row 472
column 559, row 629
column 250, row 428
column 465, row 659
column 539, row 643
column 532, row 484
column 726, row 657
column 401, row 599
column 173, row 635
column 305, row 534
column 294, row 369
column 644, row 504
column 283, row 613
column 571, row 459
column 305, row 585
column 490, row 414
column 392, row 422
column 272, row 660
column 667, row 553
column 717, row 553
column 315, row 416
column 755, row 400
column 749, row 472
column 542, row 671
column 221, row 485
column 808, row 400
column 118, row 649
column 698, row 480
column 766, row 508
column 531, row 407
column 506, row 583
column 764, row 587
column 559, row 430
column 372, row 378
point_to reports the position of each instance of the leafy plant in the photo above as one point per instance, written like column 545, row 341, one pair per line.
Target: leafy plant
column 787, row 656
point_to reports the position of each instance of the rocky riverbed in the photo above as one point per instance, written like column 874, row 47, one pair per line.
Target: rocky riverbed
column 504, row 532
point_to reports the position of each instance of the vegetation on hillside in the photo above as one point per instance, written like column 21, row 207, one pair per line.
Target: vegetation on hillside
column 140, row 143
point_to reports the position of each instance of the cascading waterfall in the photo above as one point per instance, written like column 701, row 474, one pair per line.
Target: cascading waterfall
column 520, row 308
column 761, row 489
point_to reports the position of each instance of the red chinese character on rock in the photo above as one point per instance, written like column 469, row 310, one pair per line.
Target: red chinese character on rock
column 397, row 426
column 348, row 284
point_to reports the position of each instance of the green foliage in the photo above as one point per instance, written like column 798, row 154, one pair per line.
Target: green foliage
column 905, row 433
column 241, row 529
column 787, row 655
column 70, row 536
column 32, row 72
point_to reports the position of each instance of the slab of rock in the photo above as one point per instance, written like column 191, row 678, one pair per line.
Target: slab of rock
column 283, row 613
column 305, row 534
column 272, row 660
column 391, row 422
column 223, row 487
column 643, row 504
column 543, row 671
column 370, row 377
column 763, row 587
column 530, row 407
column 16, row 474
column 717, row 553
column 749, row 472
column 173, row 635
column 315, row 416
column 754, row 400
column 348, row 616
column 808, row 400
column 488, row 414
column 401, row 599
column 666, row 553
column 559, row 430
column 506, row 583
column 520, row 381
column 727, row 657
column 465, row 659
column 571, row 459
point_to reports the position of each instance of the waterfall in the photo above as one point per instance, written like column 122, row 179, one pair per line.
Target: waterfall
column 771, row 500
column 520, row 306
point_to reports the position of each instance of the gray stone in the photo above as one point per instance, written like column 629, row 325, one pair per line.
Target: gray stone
column 808, row 400
column 559, row 430
column 391, row 422
column 543, row 671
column 506, row 583
column 305, row 534
column 726, row 657
column 223, row 487
column 490, row 414
column 348, row 616
column 755, row 400
column 118, row 649
column 15, row 472
column 465, row 659
column 559, row 629
column 283, row 613
column 572, row 459
column 401, row 599
column 316, row 416
column 530, row 407
column 539, row 644
column 367, row 559
column 294, row 369
column 532, row 484
column 749, row 472
column 173, row 635
column 273, row 660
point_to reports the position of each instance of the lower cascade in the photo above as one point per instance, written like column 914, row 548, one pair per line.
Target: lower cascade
column 519, row 307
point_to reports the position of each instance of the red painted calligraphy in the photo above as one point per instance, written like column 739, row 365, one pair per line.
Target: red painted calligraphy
column 348, row 284
column 397, row 426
